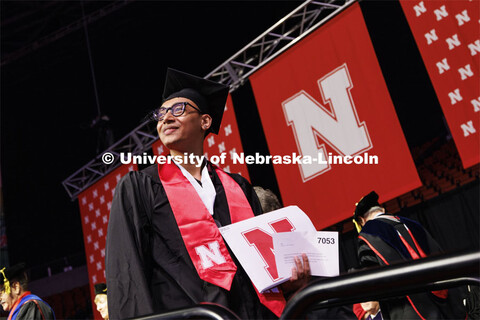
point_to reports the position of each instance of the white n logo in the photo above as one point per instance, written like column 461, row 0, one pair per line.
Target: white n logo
column 211, row 255
column 419, row 8
column 340, row 128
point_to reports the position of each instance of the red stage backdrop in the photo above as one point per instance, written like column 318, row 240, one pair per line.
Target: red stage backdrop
column 326, row 95
column 448, row 37
column 227, row 141
column 95, row 205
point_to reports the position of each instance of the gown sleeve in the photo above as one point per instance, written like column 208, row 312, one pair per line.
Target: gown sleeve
column 126, row 261
column 31, row 311
column 366, row 256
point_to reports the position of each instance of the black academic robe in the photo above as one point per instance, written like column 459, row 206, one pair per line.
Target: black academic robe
column 381, row 234
column 148, row 268
column 35, row 310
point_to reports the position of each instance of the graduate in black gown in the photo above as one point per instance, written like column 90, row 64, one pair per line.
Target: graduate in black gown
column 164, row 250
column 15, row 297
column 385, row 239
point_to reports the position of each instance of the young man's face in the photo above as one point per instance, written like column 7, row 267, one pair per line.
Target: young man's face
column 183, row 132
column 7, row 300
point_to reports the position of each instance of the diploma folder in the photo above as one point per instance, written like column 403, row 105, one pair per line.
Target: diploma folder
column 251, row 241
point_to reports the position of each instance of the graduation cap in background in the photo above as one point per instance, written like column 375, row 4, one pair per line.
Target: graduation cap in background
column 362, row 206
column 11, row 273
column 209, row 96
column 100, row 288
column 367, row 202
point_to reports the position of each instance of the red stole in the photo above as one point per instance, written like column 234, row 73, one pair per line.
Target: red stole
column 200, row 233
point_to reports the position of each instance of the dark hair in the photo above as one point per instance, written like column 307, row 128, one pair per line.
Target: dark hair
column 268, row 199
column 22, row 279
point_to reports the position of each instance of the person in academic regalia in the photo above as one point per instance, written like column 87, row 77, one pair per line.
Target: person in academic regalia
column 101, row 299
column 164, row 250
column 385, row 239
column 15, row 297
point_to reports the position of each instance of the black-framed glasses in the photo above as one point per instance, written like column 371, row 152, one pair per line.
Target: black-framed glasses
column 177, row 110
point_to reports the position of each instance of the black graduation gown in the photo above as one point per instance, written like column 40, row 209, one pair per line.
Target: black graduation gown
column 35, row 311
column 381, row 233
column 148, row 268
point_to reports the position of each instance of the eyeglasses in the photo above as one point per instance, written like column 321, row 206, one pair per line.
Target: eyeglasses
column 177, row 110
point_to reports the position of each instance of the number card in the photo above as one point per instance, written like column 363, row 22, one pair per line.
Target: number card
column 320, row 247
column 251, row 242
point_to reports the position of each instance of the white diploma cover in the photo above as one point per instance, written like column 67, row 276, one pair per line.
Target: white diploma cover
column 252, row 242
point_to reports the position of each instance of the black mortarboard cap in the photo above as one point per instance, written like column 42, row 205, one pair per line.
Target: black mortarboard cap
column 11, row 273
column 367, row 202
column 15, row 271
column 209, row 96
column 100, row 288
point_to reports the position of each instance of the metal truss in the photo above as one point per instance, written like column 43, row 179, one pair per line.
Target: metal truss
column 278, row 38
column 136, row 142
column 74, row 26
column 284, row 34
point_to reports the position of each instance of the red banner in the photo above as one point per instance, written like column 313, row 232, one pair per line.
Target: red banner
column 325, row 98
column 95, row 205
column 227, row 141
column 448, row 37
